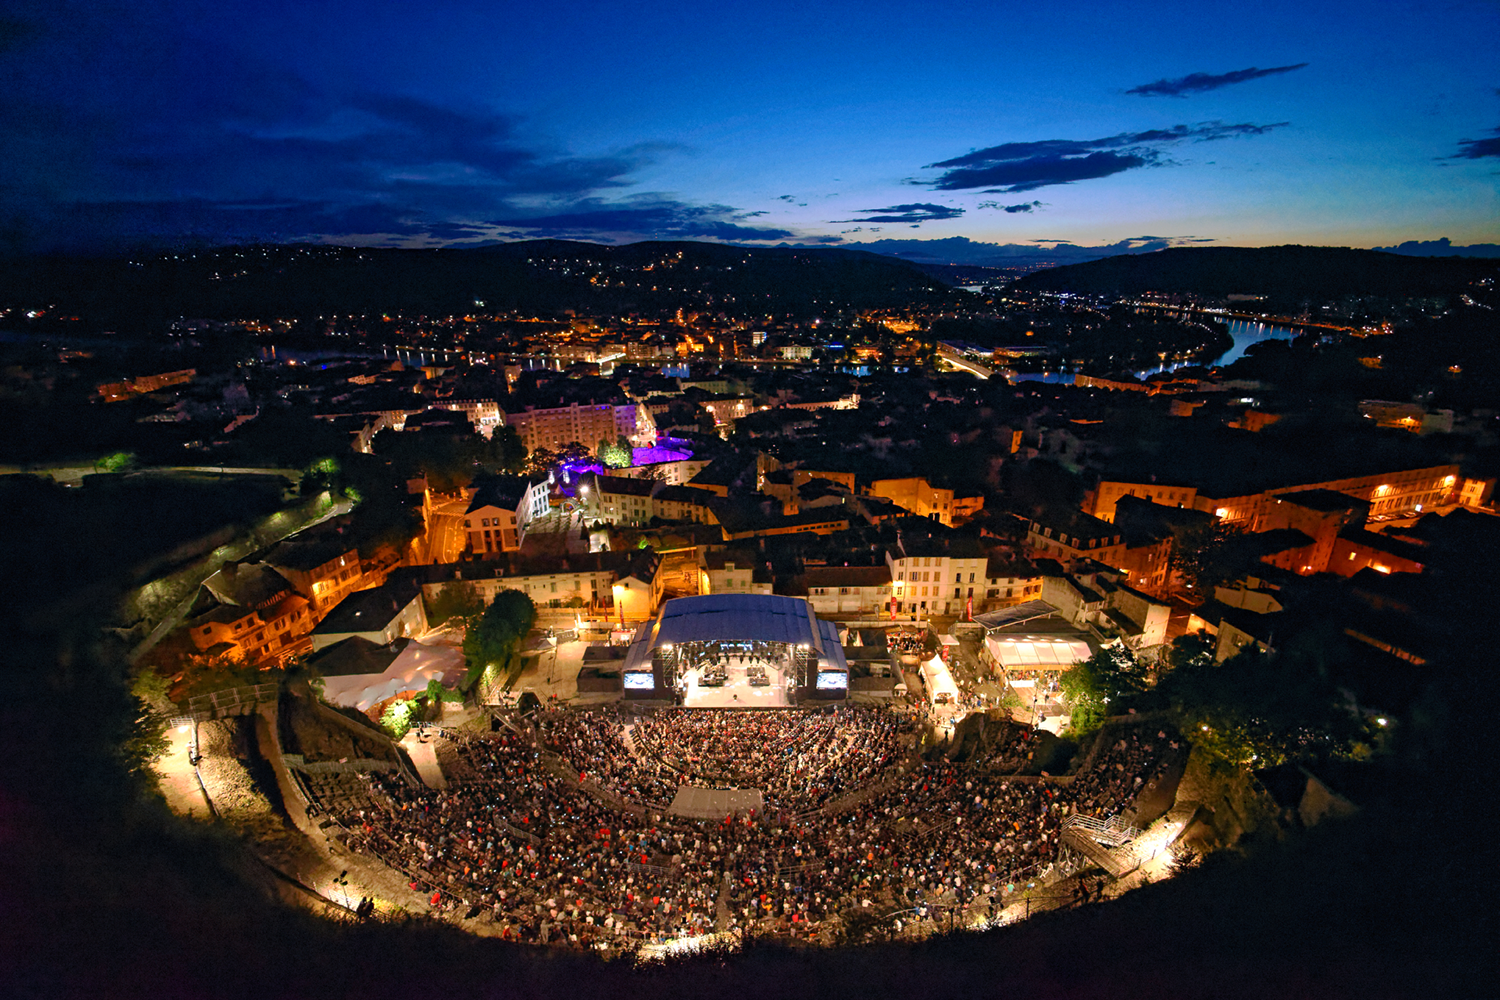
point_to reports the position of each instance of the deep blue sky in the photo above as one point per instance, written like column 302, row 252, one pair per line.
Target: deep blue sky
column 1360, row 124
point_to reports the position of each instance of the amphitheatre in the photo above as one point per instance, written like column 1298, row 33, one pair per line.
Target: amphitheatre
column 646, row 825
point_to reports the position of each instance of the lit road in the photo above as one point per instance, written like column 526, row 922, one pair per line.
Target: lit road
column 445, row 538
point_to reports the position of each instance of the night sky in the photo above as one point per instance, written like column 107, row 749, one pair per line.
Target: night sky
column 456, row 122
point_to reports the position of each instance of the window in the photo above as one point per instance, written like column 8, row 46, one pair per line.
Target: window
column 971, row 577
column 956, row 592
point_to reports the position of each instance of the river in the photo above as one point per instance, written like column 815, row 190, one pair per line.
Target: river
column 1244, row 332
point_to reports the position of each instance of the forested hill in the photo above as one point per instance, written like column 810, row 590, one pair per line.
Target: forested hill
column 1286, row 275
column 534, row 278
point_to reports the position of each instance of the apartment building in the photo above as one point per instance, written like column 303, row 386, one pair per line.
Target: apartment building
column 1008, row 582
column 249, row 612
column 931, row 576
column 685, row 503
column 1072, row 536
column 555, row 427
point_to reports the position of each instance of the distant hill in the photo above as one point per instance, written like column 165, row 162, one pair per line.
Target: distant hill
column 538, row 277
column 1286, row 275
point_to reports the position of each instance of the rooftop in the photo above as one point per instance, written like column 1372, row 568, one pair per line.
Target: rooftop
column 367, row 610
column 1326, row 501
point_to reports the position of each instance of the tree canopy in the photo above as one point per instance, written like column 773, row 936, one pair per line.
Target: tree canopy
column 1090, row 686
column 490, row 642
column 459, row 600
column 1260, row 709
column 1209, row 555
column 451, row 461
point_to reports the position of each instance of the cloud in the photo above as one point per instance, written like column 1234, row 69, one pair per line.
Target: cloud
column 1025, row 206
column 211, row 145
column 1195, row 83
column 1014, row 167
column 916, row 213
column 1443, row 248
column 645, row 216
column 1476, row 149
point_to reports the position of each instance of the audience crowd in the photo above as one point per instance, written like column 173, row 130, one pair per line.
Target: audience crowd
column 798, row 759
column 516, row 838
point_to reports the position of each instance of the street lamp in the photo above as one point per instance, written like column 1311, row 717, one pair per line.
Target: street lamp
column 341, row 886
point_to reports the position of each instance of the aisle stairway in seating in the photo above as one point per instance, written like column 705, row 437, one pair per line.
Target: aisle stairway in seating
column 1105, row 842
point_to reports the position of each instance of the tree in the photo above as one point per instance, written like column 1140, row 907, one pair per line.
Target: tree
column 1091, row 686
column 459, row 600
column 1191, row 651
column 1209, row 555
column 539, row 462
column 490, row 642
column 396, row 719
column 1260, row 709
column 615, row 454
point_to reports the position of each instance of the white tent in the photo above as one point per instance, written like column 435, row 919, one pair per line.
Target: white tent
column 409, row 673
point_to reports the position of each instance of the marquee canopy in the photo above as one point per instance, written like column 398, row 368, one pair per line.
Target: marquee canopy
column 1035, row 652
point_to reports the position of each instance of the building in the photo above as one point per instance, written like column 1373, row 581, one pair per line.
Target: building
column 379, row 615
column 1071, row 537
column 917, row 496
column 1476, row 493
column 113, row 392
column 685, row 503
column 585, row 581
column 936, row 576
column 616, row 499
column 251, row 613
column 1413, row 417
column 727, row 409
column 556, row 427
column 967, row 507
column 638, row 587
column 848, row 590
column 1321, row 515
column 1096, row 597
column 1009, row 582
column 320, row 565
column 1389, row 494
column 498, row 512
column 735, row 571
column 740, row 523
